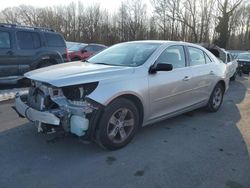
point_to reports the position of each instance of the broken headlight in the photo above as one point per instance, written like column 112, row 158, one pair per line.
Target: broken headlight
column 79, row 92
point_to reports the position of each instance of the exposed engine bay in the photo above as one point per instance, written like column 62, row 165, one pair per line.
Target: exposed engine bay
column 68, row 103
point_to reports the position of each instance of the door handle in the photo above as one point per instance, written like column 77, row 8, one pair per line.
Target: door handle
column 186, row 78
column 10, row 52
column 211, row 72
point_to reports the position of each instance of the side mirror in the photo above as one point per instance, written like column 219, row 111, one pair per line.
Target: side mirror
column 160, row 67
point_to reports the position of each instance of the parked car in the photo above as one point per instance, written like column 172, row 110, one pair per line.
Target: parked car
column 232, row 65
column 81, row 51
column 24, row 48
column 226, row 57
column 123, row 88
column 244, row 62
column 235, row 53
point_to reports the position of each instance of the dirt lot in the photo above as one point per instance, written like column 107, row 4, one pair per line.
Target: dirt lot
column 193, row 150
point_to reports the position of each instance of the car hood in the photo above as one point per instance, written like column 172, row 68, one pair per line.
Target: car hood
column 74, row 73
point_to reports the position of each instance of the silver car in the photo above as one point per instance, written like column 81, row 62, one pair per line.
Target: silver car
column 127, row 86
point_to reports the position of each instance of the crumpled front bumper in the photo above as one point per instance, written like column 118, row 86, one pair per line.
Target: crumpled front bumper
column 34, row 115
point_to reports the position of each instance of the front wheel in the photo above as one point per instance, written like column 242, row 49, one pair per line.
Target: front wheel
column 216, row 98
column 118, row 124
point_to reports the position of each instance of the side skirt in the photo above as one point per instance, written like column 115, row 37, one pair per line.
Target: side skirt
column 175, row 113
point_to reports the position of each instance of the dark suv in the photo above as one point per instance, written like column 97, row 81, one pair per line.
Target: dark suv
column 24, row 48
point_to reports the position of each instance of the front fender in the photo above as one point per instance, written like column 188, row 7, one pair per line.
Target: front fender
column 107, row 92
column 105, row 98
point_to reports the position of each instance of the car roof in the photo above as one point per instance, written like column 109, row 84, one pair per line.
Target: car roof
column 97, row 44
column 164, row 42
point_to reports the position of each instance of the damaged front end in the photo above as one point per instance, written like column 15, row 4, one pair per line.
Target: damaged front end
column 51, row 108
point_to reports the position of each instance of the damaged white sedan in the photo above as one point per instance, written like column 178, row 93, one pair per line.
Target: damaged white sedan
column 127, row 86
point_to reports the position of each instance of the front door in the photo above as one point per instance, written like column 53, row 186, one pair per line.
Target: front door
column 8, row 62
column 170, row 91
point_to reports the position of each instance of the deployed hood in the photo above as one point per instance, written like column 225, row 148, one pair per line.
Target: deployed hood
column 74, row 73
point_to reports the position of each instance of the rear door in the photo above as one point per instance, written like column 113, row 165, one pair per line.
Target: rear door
column 8, row 61
column 170, row 91
column 203, row 71
column 29, row 43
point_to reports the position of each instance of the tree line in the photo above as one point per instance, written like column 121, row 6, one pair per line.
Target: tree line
column 223, row 22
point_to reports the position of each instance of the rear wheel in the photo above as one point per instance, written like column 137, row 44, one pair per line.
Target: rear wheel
column 216, row 98
column 45, row 64
column 118, row 124
column 233, row 77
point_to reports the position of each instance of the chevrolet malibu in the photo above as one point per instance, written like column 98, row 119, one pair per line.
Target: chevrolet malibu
column 125, row 87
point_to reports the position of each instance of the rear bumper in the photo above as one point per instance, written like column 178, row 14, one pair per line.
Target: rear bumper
column 32, row 114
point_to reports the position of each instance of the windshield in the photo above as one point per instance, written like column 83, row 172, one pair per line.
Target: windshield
column 125, row 54
column 244, row 56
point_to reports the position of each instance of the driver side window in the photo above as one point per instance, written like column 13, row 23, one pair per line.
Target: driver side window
column 173, row 55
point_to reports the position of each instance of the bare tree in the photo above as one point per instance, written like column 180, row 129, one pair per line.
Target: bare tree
column 227, row 21
column 227, row 9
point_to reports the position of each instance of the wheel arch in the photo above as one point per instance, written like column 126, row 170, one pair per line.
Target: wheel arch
column 223, row 83
column 54, row 57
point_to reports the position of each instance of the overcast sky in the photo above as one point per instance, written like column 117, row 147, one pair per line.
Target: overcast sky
column 111, row 5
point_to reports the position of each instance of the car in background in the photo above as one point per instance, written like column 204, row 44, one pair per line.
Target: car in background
column 82, row 51
column 24, row 48
column 225, row 57
column 125, row 87
column 235, row 53
column 244, row 62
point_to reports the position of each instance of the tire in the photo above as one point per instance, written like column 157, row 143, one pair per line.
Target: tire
column 112, row 126
column 45, row 64
column 233, row 77
column 216, row 98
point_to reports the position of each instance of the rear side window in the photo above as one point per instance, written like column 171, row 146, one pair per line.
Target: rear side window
column 196, row 56
column 54, row 40
column 4, row 40
column 28, row 40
